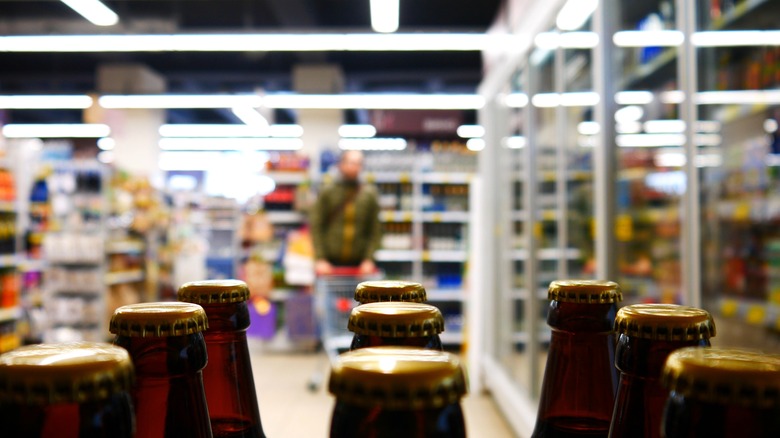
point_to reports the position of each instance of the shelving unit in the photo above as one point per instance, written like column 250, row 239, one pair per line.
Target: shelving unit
column 10, row 299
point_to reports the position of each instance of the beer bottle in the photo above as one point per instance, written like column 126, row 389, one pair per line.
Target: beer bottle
column 69, row 390
column 720, row 393
column 389, row 392
column 390, row 290
column 165, row 342
column 396, row 323
column 647, row 333
column 228, row 380
column 580, row 380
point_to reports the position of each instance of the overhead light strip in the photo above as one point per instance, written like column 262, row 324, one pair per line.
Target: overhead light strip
column 374, row 101
column 183, row 130
column 45, row 102
column 55, row 130
column 385, row 15
column 230, row 144
column 95, row 11
column 255, row 42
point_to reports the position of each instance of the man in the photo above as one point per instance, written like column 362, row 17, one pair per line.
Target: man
column 345, row 220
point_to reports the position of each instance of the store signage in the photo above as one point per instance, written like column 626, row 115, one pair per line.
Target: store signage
column 416, row 122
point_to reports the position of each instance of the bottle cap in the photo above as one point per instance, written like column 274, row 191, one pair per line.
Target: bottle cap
column 214, row 292
column 64, row 373
column 585, row 291
column 397, row 378
column 390, row 290
column 158, row 319
column 724, row 376
column 396, row 320
column 668, row 322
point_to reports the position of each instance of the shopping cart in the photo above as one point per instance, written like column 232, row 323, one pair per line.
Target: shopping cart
column 333, row 302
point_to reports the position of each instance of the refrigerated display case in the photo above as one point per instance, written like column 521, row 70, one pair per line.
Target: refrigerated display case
column 642, row 148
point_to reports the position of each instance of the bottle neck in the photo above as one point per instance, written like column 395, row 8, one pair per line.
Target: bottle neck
column 645, row 358
column 353, row 421
column 581, row 318
column 227, row 317
column 166, row 356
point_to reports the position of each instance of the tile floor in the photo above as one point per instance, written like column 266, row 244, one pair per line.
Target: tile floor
column 291, row 409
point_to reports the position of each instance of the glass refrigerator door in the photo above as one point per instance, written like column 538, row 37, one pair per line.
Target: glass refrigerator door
column 738, row 159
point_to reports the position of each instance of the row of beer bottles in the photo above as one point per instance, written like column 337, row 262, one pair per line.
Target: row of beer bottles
column 660, row 377
column 153, row 382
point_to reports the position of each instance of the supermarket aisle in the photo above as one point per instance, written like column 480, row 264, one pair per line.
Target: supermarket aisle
column 290, row 410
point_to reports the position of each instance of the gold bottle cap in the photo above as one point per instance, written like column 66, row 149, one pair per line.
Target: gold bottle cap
column 667, row 322
column 585, row 291
column 64, row 373
column 214, row 292
column 390, row 290
column 724, row 376
column 396, row 320
column 398, row 378
column 158, row 319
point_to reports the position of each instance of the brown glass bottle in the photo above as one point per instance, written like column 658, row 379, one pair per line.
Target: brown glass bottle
column 390, row 290
column 580, row 379
column 165, row 342
column 647, row 334
column 71, row 390
column 228, row 379
column 396, row 323
column 389, row 392
column 721, row 393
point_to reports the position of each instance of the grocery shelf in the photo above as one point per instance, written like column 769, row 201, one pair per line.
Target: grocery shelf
column 396, row 216
column 446, row 216
column 446, row 178
column 444, row 256
column 394, row 255
column 9, row 313
column 388, row 177
column 753, row 312
column 284, row 217
column 125, row 277
column 7, row 207
column 125, row 247
column 438, row 295
column 288, row 177
column 548, row 254
column 8, row 260
column 521, row 293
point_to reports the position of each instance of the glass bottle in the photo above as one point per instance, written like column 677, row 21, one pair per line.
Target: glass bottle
column 165, row 342
column 396, row 323
column 389, row 392
column 580, row 379
column 720, row 393
column 390, row 290
column 69, row 390
column 647, row 334
column 228, row 379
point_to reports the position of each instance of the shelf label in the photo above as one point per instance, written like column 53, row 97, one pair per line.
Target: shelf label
column 624, row 228
column 436, row 217
column 405, row 178
column 426, row 256
column 729, row 308
column 742, row 211
column 756, row 314
column 406, row 216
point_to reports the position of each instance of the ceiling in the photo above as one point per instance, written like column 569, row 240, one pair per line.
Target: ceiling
column 192, row 72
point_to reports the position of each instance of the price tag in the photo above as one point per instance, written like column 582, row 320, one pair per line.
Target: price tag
column 729, row 308
column 742, row 211
column 436, row 217
column 426, row 256
column 405, row 178
column 624, row 228
column 756, row 314
column 407, row 216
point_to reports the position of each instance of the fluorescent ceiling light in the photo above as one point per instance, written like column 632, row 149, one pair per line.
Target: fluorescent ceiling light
column 470, row 131
column 180, row 101
column 287, row 130
column 583, row 98
column 633, row 127
column 662, row 140
column 106, row 143
column 247, row 42
column 736, row 38
column 94, row 11
column 516, row 100
column 357, row 131
column 708, row 126
column 664, row 126
column 566, row 40
column 475, row 144
column 770, row 126
column 230, row 144
column 77, row 130
column 743, row 97
column 250, row 116
column 678, row 159
column 515, row 142
column 648, row 38
column 45, row 102
column 672, row 97
column 633, row 97
column 575, row 13
column 546, row 100
column 372, row 144
column 375, row 101
column 588, row 128
column 384, row 15
column 228, row 130
column 106, row 157
column 630, row 113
